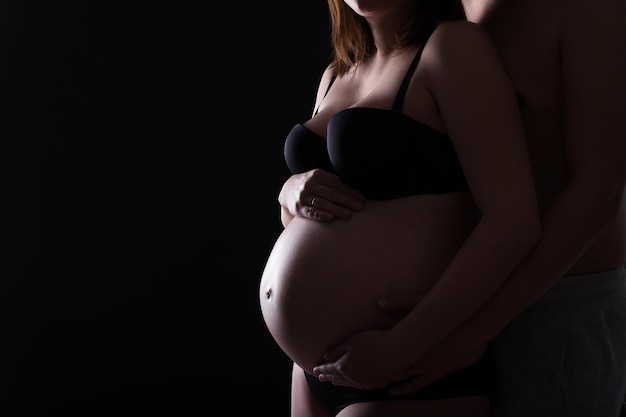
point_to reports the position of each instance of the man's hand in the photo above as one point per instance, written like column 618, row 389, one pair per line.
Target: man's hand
column 441, row 360
column 450, row 355
column 400, row 303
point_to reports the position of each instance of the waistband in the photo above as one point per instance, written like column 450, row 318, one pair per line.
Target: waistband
column 586, row 291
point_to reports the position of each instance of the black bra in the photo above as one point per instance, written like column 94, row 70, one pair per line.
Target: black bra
column 383, row 153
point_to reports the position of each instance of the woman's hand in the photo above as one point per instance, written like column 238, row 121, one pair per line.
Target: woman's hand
column 319, row 195
column 367, row 360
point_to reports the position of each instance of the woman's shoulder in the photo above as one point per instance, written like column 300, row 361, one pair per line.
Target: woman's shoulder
column 459, row 40
column 328, row 76
column 459, row 32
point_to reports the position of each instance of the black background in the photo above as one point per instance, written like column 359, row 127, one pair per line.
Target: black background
column 141, row 159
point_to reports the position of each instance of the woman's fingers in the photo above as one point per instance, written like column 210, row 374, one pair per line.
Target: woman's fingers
column 328, row 191
column 320, row 195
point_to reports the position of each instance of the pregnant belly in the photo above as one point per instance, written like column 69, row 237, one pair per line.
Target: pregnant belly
column 322, row 281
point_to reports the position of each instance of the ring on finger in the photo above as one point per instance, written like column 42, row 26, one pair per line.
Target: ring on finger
column 313, row 200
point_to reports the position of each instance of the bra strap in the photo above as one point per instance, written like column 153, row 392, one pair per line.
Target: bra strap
column 332, row 80
column 399, row 101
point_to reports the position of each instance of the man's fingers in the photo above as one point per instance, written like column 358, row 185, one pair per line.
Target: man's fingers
column 413, row 384
column 399, row 302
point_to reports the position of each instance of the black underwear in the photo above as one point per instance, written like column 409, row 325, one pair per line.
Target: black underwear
column 478, row 379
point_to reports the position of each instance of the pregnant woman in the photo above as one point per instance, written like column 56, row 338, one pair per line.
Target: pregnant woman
column 415, row 111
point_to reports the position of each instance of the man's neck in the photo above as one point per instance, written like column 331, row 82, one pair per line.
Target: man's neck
column 478, row 10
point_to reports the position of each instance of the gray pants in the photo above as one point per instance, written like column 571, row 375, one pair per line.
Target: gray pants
column 565, row 356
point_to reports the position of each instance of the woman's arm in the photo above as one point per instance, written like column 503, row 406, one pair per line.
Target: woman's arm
column 480, row 112
column 593, row 68
column 333, row 197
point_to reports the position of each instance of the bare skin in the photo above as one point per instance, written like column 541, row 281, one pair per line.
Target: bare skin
column 566, row 62
column 313, row 298
column 322, row 279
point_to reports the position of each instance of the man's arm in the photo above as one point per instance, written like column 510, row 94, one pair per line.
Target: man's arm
column 593, row 67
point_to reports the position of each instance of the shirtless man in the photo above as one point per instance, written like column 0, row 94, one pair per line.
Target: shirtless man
column 560, row 319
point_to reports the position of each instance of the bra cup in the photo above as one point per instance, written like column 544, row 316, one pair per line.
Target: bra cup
column 386, row 154
column 383, row 153
column 304, row 150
